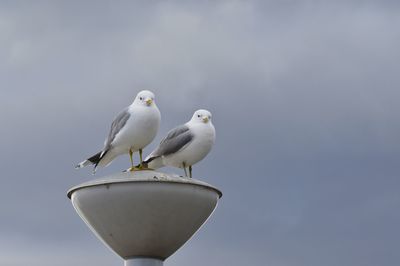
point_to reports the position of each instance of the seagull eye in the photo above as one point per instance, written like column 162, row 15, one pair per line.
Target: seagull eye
column 141, row 98
column 198, row 115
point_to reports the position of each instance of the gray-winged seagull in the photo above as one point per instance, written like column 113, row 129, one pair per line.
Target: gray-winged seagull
column 185, row 145
column 132, row 130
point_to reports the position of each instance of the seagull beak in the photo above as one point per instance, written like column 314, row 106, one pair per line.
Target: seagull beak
column 205, row 119
column 149, row 101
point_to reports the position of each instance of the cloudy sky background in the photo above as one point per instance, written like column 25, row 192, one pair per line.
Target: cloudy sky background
column 305, row 99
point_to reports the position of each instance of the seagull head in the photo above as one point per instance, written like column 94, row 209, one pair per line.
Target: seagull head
column 145, row 98
column 201, row 116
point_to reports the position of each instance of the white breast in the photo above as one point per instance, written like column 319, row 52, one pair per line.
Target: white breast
column 139, row 130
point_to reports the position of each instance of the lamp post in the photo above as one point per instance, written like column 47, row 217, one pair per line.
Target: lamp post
column 144, row 216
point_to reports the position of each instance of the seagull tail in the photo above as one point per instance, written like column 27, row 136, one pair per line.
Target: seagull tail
column 95, row 159
column 82, row 164
column 154, row 162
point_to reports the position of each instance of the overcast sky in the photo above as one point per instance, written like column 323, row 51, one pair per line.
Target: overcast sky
column 305, row 97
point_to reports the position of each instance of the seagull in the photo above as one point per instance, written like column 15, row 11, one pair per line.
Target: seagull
column 185, row 145
column 132, row 130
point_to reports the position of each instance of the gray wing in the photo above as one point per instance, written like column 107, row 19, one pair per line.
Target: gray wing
column 175, row 140
column 118, row 123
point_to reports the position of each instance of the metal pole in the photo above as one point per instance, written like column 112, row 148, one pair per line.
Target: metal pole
column 143, row 262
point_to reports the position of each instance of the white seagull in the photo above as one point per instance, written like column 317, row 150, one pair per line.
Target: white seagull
column 132, row 130
column 185, row 145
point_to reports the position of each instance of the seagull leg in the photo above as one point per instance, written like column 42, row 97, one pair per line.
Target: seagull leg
column 184, row 168
column 190, row 171
column 142, row 166
column 130, row 156
column 141, row 157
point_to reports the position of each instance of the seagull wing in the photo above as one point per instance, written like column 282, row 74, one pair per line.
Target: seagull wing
column 116, row 126
column 175, row 140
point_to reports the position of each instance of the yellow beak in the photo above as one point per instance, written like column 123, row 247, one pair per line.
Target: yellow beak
column 205, row 119
column 149, row 101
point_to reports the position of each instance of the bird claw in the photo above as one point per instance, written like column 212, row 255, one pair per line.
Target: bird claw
column 138, row 167
column 133, row 169
column 144, row 167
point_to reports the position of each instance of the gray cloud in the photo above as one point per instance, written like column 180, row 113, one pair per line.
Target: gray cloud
column 305, row 102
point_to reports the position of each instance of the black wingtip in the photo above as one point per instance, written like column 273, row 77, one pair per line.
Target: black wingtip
column 95, row 159
column 146, row 162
